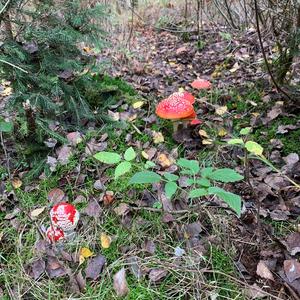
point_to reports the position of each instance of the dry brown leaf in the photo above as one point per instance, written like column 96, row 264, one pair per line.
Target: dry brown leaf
column 263, row 271
column 120, row 283
column 16, row 183
column 36, row 212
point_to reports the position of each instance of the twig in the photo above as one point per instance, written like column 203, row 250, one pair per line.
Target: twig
column 4, row 7
column 8, row 63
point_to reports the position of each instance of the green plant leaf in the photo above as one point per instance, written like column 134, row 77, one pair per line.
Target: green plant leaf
column 205, row 172
column 6, row 126
column 192, row 165
column 122, row 168
column 225, row 175
column 245, row 130
column 254, row 148
column 157, row 204
column 235, row 142
column 145, row 177
column 170, row 189
column 190, row 181
column 171, row 177
column 149, row 164
column 198, row 193
column 234, row 201
column 110, row 158
column 203, row 182
column 129, row 154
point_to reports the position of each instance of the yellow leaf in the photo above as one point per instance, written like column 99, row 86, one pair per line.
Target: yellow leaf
column 207, row 142
column 145, row 155
column 7, row 91
column 181, row 90
column 138, row 104
column 132, row 118
column 158, row 137
column 105, row 240
column 86, row 252
column 164, row 160
column 172, row 63
column 221, row 110
column 203, row 133
column 81, row 259
column 222, row 132
column 255, row 114
column 254, row 148
column 16, row 183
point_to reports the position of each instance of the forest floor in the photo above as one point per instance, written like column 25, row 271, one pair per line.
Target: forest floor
column 174, row 249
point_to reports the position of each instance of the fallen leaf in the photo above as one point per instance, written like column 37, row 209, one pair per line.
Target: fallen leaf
column 38, row 267
column 263, row 271
column 292, row 243
column 120, row 283
column 16, row 183
column 203, row 133
column 164, row 160
column 207, row 142
column 222, row 132
column 105, row 240
column 93, row 209
column 56, row 195
column 36, row 212
column 149, row 246
column 292, row 269
column 84, row 253
column 122, row 209
column 95, row 266
column 157, row 137
column 64, row 153
column 138, row 104
column 54, row 268
column 157, row 275
column 221, row 110
column 74, row 138
column 108, row 198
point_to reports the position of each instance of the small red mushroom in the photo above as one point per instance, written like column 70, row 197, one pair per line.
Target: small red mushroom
column 195, row 122
column 201, row 84
column 55, row 234
column 64, row 216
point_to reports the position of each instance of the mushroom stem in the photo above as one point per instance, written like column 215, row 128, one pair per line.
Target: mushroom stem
column 175, row 125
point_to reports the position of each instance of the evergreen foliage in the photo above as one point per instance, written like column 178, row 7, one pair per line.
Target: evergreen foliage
column 46, row 55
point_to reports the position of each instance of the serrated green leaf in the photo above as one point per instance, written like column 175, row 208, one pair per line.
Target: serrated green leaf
column 234, row 201
column 171, row 177
column 235, row 142
column 108, row 157
column 6, row 126
column 254, row 148
column 145, row 177
column 190, row 181
column 205, row 172
column 245, row 130
column 203, row 182
column 129, row 154
column 192, row 165
column 198, row 193
column 170, row 189
column 122, row 168
column 225, row 175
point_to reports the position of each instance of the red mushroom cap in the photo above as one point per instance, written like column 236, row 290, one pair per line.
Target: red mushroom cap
column 195, row 122
column 201, row 84
column 185, row 95
column 55, row 234
column 65, row 216
column 174, row 108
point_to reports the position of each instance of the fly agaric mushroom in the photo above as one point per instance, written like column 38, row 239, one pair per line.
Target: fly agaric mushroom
column 185, row 95
column 55, row 234
column 195, row 122
column 175, row 108
column 201, row 84
column 64, row 216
